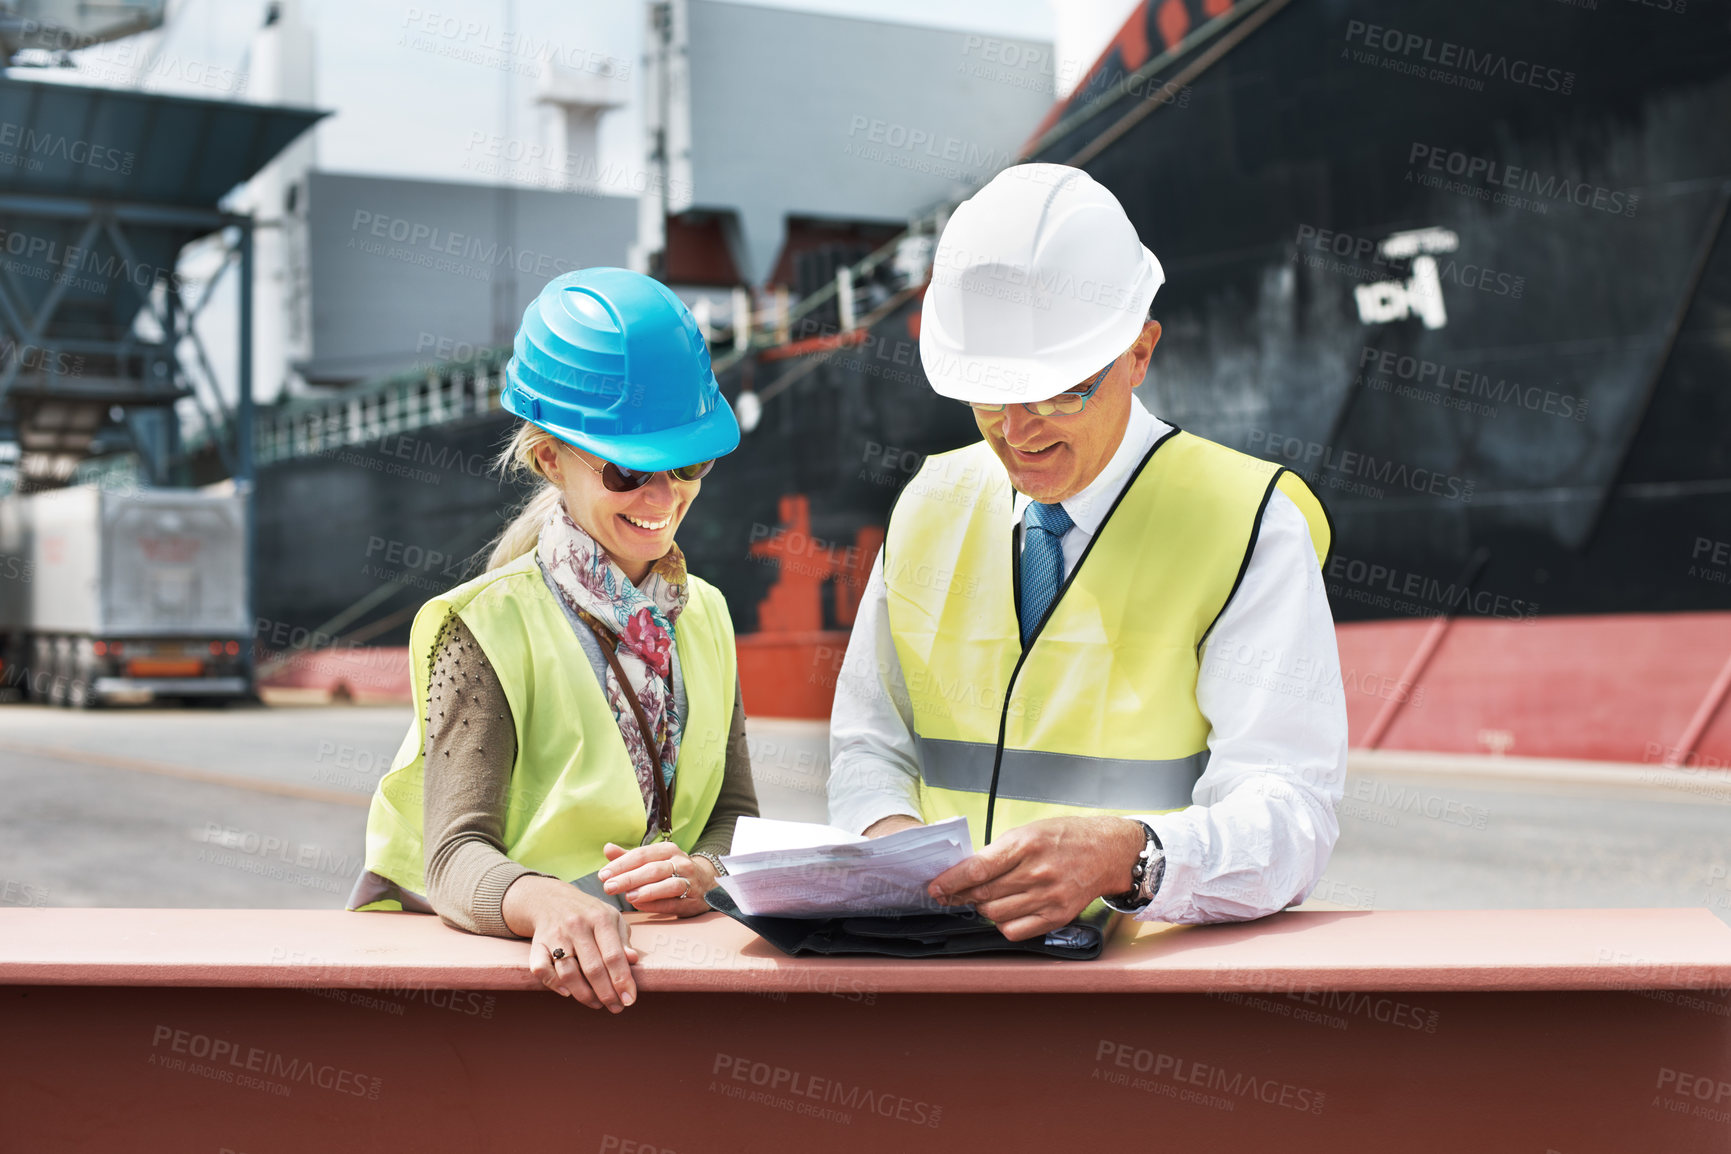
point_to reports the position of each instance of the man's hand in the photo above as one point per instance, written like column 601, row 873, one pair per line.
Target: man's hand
column 892, row 824
column 1041, row 875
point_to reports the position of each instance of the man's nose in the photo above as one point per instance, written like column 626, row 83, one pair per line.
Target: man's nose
column 1020, row 426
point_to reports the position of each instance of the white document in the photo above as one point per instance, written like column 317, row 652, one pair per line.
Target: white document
column 796, row 878
column 762, row 834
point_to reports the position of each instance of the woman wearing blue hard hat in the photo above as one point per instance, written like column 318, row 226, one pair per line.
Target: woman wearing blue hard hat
column 580, row 696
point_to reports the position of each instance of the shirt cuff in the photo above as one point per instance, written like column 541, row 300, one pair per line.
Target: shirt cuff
column 859, row 813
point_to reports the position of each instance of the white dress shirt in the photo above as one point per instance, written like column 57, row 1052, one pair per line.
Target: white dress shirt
column 1262, row 826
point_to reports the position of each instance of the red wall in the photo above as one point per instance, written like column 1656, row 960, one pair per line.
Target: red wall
column 1612, row 688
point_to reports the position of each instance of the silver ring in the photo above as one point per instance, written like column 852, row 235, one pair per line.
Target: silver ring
column 687, row 882
column 558, row 952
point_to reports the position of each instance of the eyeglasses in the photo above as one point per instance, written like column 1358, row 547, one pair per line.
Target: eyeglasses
column 1068, row 404
column 619, row 479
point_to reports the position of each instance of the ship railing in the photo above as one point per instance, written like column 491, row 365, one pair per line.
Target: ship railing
column 773, row 320
column 370, row 412
column 776, row 325
column 118, row 473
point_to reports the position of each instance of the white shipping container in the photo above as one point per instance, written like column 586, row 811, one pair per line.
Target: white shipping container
column 149, row 563
column 16, row 569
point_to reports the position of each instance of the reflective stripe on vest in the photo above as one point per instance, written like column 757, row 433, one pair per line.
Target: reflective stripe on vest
column 1099, row 714
column 1117, row 783
column 573, row 787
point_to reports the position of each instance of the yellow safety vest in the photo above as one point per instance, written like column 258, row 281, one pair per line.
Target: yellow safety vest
column 1098, row 715
column 573, row 788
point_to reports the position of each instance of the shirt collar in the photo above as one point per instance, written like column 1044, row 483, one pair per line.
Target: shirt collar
column 1088, row 508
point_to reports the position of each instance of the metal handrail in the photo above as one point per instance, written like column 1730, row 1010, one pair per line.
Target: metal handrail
column 1118, row 90
column 416, row 398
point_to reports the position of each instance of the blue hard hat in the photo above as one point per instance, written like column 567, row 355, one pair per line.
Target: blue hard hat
column 611, row 361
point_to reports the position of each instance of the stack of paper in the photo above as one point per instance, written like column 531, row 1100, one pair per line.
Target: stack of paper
column 798, row 870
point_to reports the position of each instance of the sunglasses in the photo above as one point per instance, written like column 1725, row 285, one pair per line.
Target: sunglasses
column 1069, row 404
column 619, row 479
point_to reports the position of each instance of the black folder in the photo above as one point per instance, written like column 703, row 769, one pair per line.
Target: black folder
column 923, row 935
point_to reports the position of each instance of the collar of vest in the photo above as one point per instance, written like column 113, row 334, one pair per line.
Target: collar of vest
column 1098, row 712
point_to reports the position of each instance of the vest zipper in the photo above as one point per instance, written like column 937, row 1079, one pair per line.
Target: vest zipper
column 1016, row 599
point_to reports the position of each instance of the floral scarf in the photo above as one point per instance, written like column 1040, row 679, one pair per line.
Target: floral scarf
column 637, row 624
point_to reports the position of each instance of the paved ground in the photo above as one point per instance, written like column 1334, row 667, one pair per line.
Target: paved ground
column 265, row 807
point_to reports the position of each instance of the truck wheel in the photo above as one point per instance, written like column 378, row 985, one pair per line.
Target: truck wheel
column 81, row 690
column 41, row 669
column 14, row 670
column 60, row 674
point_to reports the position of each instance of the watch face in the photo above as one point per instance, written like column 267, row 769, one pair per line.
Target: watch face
column 1150, row 880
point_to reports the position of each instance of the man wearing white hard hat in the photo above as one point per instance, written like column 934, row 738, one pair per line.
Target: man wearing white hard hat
column 1052, row 642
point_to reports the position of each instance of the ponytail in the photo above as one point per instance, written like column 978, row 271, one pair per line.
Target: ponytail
column 524, row 529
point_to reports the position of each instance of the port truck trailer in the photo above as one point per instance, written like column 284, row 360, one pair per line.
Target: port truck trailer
column 135, row 595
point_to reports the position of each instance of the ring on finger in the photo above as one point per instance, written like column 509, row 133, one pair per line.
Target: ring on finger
column 673, row 872
column 558, row 953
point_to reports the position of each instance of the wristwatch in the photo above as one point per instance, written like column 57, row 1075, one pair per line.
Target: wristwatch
column 1145, row 876
column 712, row 859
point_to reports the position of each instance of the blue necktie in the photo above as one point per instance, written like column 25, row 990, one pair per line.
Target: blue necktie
column 1043, row 529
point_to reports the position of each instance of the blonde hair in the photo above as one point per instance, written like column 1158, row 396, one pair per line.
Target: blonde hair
column 518, row 457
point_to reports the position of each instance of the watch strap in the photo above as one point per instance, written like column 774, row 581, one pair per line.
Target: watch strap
column 1145, row 875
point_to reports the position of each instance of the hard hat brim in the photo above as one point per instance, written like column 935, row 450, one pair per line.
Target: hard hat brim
column 715, row 434
column 1000, row 380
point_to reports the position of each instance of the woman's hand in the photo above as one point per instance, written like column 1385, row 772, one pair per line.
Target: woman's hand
column 591, row 936
column 658, row 878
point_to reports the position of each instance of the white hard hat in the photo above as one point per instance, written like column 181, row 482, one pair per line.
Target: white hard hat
column 1039, row 281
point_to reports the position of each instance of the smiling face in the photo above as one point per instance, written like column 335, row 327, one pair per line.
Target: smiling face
column 1053, row 458
column 636, row 528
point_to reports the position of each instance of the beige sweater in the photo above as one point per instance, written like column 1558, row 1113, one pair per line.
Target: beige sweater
column 471, row 747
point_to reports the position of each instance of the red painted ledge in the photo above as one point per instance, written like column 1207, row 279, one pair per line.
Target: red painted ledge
column 1674, row 949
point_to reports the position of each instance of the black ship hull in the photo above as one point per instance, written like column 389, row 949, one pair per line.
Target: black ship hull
column 1557, row 444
